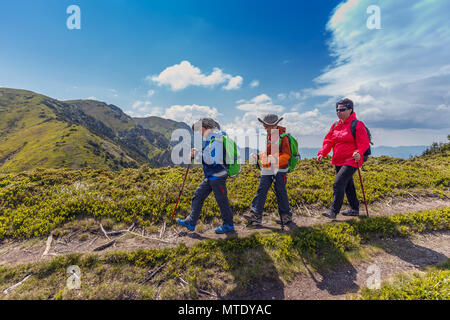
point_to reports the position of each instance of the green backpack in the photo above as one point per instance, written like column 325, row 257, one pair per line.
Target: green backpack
column 231, row 156
column 295, row 155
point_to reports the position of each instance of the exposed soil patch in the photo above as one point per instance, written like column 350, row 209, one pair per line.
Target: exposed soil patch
column 398, row 256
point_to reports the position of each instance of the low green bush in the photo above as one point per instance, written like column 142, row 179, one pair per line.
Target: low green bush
column 34, row 203
column 433, row 285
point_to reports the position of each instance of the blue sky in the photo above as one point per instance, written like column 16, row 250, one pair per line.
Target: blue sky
column 236, row 60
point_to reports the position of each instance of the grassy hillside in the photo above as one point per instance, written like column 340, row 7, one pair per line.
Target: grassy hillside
column 40, row 132
column 37, row 132
column 144, row 142
column 112, row 116
column 35, row 202
column 226, row 268
column 163, row 126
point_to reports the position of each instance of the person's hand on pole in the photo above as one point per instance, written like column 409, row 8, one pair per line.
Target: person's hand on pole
column 357, row 157
column 193, row 151
column 254, row 159
column 271, row 159
column 319, row 158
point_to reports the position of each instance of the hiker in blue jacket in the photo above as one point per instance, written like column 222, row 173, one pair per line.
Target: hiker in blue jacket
column 216, row 174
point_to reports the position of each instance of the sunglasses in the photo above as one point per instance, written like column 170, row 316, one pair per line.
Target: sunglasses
column 341, row 109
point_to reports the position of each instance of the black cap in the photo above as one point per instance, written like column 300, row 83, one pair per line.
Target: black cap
column 345, row 102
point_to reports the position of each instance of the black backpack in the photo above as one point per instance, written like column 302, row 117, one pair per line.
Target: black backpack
column 353, row 130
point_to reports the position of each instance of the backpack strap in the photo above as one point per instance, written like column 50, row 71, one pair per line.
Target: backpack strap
column 353, row 128
column 210, row 143
column 223, row 146
column 282, row 136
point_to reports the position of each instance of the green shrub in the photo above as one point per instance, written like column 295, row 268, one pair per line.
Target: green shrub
column 433, row 285
column 34, row 203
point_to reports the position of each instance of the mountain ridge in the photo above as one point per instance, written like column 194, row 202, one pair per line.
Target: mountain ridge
column 37, row 130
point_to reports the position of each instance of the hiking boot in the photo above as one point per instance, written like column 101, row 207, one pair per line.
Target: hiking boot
column 225, row 229
column 253, row 218
column 286, row 219
column 351, row 213
column 329, row 214
column 186, row 224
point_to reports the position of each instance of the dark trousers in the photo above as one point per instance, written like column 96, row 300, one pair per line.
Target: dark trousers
column 266, row 181
column 219, row 188
column 343, row 185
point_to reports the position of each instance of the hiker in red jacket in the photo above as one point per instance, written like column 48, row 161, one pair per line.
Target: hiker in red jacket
column 347, row 156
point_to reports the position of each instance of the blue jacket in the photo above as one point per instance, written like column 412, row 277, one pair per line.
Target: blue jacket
column 213, row 156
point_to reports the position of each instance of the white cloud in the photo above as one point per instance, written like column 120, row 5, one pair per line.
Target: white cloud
column 254, row 83
column 114, row 92
column 141, row 107
column 312, row 124
column 190, row 113
column 398, row 76
column 261, row 98
column 92, row 98
column 260, row 104
column 407, row 137
column 187, row 113
column 293, row 95
column 183, row 75
column 150, row 93
column 233, row 83
column 281, row 96
column 443, row 107
column 299, row 124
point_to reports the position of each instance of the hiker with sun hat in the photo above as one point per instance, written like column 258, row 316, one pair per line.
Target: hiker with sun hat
column 275, row 166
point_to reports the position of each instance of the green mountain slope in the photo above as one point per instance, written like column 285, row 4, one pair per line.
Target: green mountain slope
column 145, row 143
column 163, row 126
column 38, row 131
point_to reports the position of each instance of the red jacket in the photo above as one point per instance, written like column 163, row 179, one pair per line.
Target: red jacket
column 341, row 140
column 282, row 155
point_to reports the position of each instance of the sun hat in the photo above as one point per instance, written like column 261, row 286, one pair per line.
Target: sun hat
column 270, row 119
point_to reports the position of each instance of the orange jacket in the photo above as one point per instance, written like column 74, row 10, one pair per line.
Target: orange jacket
column 282, row 154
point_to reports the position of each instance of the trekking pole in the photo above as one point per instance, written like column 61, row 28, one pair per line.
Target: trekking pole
column 181, row 190
column 362, row 187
